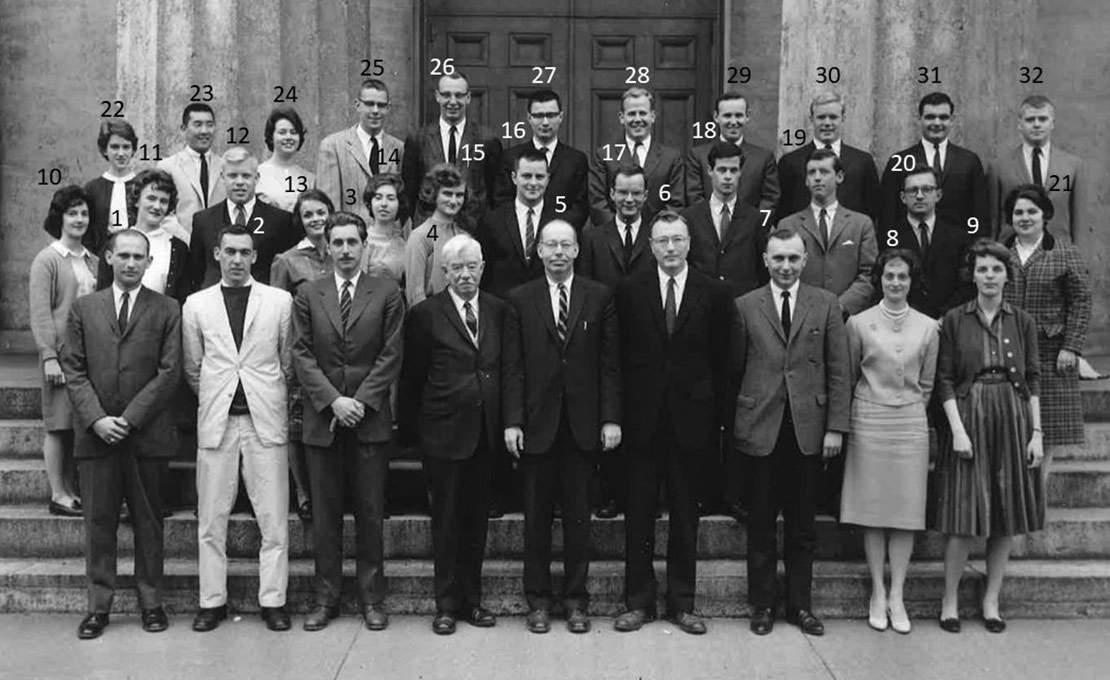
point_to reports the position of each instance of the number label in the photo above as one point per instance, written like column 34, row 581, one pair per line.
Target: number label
column 892, row 238
column 794, row 137
column 201, row 93
column 608, row 148
column 665, row 193
column 301, row 184
column 972, row 225
column 1056, row 179
column 475, row 152
column 923, row 75
column 766, row 216
column 541, row 71
column 258, row 224
column 231, row 139
column 372, row 68
column 906, row 163
column 393, row 156
column 432, row 233
column 830, row 74
column 515, row 132
column 54, row 176
column 350, row 197
column 107, row 112
column 157, row 152
column 560, row 204
column 636, row 75
column 115, row 219
column 442, row 67
column 739, row 75
column 284, row 95
column 1030, row 75
column 705, row 130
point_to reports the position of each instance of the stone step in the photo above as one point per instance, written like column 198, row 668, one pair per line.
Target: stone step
column 1033, row 589
column 29, row 531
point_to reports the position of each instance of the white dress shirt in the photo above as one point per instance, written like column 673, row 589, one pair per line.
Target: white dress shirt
column 339, row 281
column 716, row 205
column 635, row 227
column 367, row 141
column 553, row 293
column 117, row 296
column 522, row 219
column 929, row 150
column 679, row 287
column 644, row 149
column 1027, row 153
column 547, row 149
column 459, row 307
column 776, row 296
column 248, row 208
column 445, row 135
column 930, row 225
column 835, row 146
column 830, row 215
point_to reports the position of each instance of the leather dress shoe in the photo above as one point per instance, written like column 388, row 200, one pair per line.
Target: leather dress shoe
column 607, row 510
column 805, row 619
column 763, row 620
column 738, row 512
column 578, row 621
column 375, row 617
column 480, row 617
column 994, row 625
column 208, row 618
column 319, row 617
column 687, row 622
column 154, row 620
column 950, row 625
column 632, row 620
column 92, row 626
column 276, row 618
column 539, row 621
column 443, row 623
column 71, row 510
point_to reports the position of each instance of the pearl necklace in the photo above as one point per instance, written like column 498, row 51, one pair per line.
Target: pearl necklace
column 895, row 317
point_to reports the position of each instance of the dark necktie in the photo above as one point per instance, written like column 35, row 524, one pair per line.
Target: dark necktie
column 936, row 157
column 1038, row 179
column 471, row 321
column 828, row 147
column 786, row 313
column 626, row 249
column 923, row 237
column 722, row 225
column 345, row 304
column 670, row 308
column 204, row 179
column 529, row 235
column 375, row 155
column 561, row 324
column 452, row 147
column 636, row 154
column 124, row 311
column 240, row 216
column 823, row 226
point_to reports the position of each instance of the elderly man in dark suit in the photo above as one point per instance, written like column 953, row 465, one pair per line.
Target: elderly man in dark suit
column 674, row 332
column 348, row 335
column 122, row 363
column 789, row 361
column 450, row 399
column 561, row 403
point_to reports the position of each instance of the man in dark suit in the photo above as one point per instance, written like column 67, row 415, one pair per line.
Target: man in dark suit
column 759, row 176
column 348, row 334
column 790, row 363
column 674, row 339
column 272, row 228
column 454, row 139
column 561, row 402
column 568, row 168
column 122, row 363
column 450, row 399
column 940, row 245
column 962, row 178
column 860, row 189
column 663, row 166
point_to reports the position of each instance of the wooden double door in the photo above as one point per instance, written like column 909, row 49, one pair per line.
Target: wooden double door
column 589, row 52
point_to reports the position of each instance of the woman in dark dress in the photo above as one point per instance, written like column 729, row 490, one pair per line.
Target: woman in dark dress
column 108, row 193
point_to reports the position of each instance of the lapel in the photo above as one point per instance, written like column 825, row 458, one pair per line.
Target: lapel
column 447, row 306
column 511, row 224
column 556, row 158
column 612, row 231
column 707, row 218
column 192, row 171
column 653, row 284
column 542, row 300
column 577, row 301
column 733, row 222
column 436, row 141
column 485, row 322
column 361, row 299
column 330, row 301
column 652, row 158
column 772, row 312
column 108, row 309
column 469, row 136
column 254, row 305
column 354, row 148
column 1018, row 159
column 810, row 225
column 691, row 297
column 801, row 308
column 139, row 306
column 922, row 155
column 640, row 243
column 838, row 225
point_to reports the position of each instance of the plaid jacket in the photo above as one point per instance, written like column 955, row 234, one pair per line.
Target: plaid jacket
column 1054, row 288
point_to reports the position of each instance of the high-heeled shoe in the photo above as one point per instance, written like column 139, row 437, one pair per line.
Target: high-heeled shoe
column 899, row 622
column 950, row 625
column 879, row 622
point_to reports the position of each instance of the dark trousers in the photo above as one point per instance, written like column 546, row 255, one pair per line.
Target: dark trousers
column 568, row 468
column 105, row 481
column 612, row 478
column 680, row 470
column 505, row 483
column 460, row 518
column 359, row 469
column 784, row 481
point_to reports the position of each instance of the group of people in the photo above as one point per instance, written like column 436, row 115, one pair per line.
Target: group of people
column 532, row 320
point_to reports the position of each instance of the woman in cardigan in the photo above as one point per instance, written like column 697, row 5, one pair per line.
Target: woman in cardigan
column 988, row 380
column 444, row 189
column 108, row 213
column 60, row 273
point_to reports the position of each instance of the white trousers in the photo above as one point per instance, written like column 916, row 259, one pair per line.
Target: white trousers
column 266, row 476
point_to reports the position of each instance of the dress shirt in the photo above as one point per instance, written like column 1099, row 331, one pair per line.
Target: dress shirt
column 119, row 200
column 1027, row 154
column 248, row 208
column 161, row 249
column 445, row 135
column 928, row 146
column 86, row 280
column 737, row 142
column 776, row 296
column 459, row 302
column 930, row 226
column 632, row 148
column 547, row 149
column 339, row 281
column 522, row 220
column 117, row 296
column 1025, row 252
column 635, row 227
column 679, row 287
column 367, row 141
column 715, row 206
column 553, row 292
column 830, row 215
column 835, row 146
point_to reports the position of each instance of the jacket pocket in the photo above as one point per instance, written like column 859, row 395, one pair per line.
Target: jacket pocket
column 822, row 399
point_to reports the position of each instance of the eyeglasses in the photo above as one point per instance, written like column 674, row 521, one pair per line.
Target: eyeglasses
column 453, row 95
column 546, row 116
column 374, row 105
column 924, row 191
column 459, row 267
column 667, row 240
column 557, row 245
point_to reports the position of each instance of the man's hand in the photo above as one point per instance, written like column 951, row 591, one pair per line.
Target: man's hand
column 348, row 411
column 111, row 430
column 833, row 442
column 514, row 441
column 610, row 436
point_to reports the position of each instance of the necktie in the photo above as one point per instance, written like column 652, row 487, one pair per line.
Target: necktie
column 627, row 244
column 124, row 311
column 722, row 225
column 669, row 307
column 936, row 157
column 786, row 313
column 204, row 179
column 452, row 147
column 471, row 321
column 823, row 225
column 1038, row 179
column 923, row 237
column 547, row 153
column 345, row 304
column 529, row 235
column 828, row 147
column 561, row 324
column 240, row 216
column 639, row 153
column 375, row 155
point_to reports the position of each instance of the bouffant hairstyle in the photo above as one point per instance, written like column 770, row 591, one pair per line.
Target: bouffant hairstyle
column 387, row 179
column 310, row 195
column 115, row 127
column 160, row 179
column 64, row 199
column 441, row 176
column 1030, row 192
column 888, row 256
column 284, row 113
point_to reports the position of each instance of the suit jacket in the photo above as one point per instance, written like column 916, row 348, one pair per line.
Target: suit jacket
column 845, row 269
column 810, row 370
column 738, row 261
column 945, row 282
column 263, row 362
column 271, row 228
column 962, row 180
column 1069, row 196
column 343, row 169
column 1054, row 288
column 662, row 166
column 601, row 256
column 133, row 374
column 179, row 279
column 759, row 176
column 362, row 363
column 450, row 386
column 686, row 371
column 424, row 150
column 541, row 376
column 503, row 251
column 186, row 175
column 568, row 177
column 859, row 191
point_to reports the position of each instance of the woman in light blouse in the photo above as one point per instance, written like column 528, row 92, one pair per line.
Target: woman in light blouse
column 443, row 188
column 385, row 234
column 893, row 350
column 60, row 273
column 280, row 178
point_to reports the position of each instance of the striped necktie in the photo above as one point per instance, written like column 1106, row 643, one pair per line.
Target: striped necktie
column 561, row 324
column 345, row 304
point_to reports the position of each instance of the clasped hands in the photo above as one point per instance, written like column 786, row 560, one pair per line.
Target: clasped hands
column 112, row 429
column 514, row 438
column 347, row 412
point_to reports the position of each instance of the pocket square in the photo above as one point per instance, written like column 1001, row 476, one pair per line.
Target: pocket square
column 848, row 242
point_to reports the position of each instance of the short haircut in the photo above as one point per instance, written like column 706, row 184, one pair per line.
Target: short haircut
column 530, row 154
column 784, row 234
column 343, row 219
column 888, row 256
column 284, row 113
column 232, row 230
column 1036, row 101
column 457, row 244
column 160, row 180
column 935, row 99
column 921, row 170
column 64, row 199
column 825, row 154
column 728, row 97
column 239, row 154
column 823, row 98
column 545, row 225
column 1031, row 192
column 634, row 92
column 722, row 150
column 629, row 170
column 455, row 75
column 374, row 84
column 668, row 217
column 387, row 179
column 544, row 96
column 198, row 107
column 310, row 195
column 110, row 244
column 120, row 128
column 986, row 247
column 441, row 176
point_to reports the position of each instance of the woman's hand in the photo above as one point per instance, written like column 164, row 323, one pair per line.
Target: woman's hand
column 1035, row 450
column 53, row 372
column 961, row 444
column 1066, row 361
